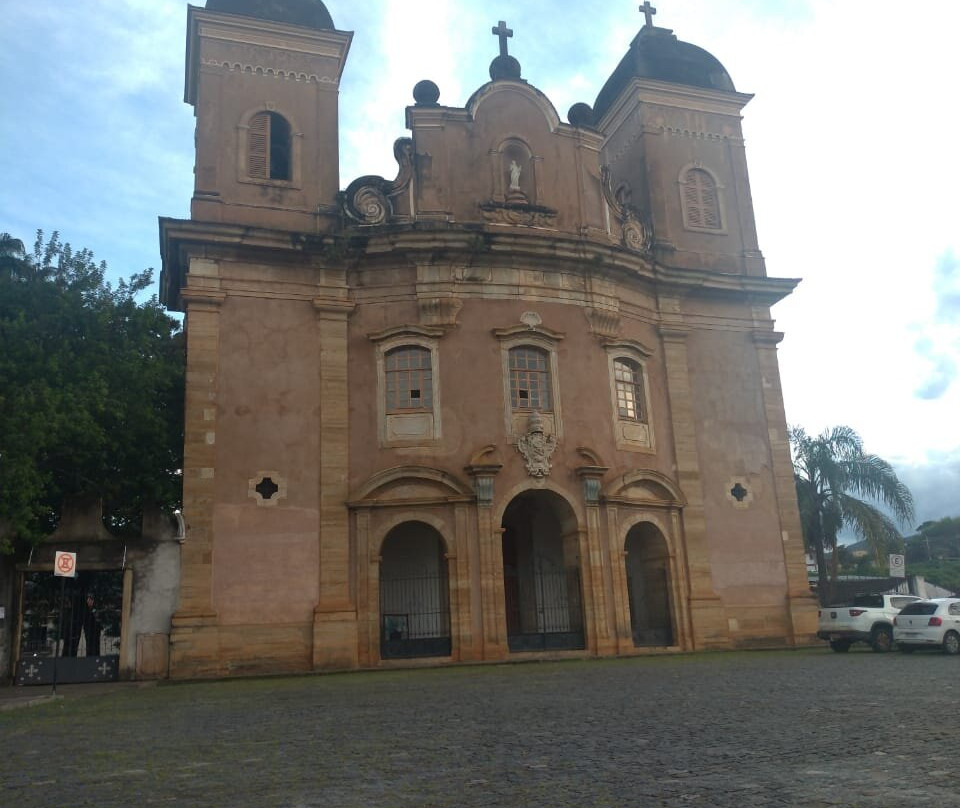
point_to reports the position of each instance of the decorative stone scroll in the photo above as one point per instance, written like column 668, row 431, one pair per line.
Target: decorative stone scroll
column 636, row 234
column 367, row 199
column 536, row 447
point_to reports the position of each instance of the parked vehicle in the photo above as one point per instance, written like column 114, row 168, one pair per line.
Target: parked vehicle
column 868, row 619
column 931, row 623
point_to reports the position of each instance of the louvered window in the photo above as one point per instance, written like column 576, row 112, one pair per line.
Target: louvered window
column 409, row 377
column 530, row 379
column 629, row 381
column 268, row 147
column 701, row 202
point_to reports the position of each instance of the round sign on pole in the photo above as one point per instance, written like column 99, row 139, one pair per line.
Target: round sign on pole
column 65, row 564
column 897, row 566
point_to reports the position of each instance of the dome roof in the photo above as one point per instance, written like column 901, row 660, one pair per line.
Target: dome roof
column 308, row 13
column 656, row 53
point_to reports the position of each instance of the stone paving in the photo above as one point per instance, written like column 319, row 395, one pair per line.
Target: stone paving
column 802, row 728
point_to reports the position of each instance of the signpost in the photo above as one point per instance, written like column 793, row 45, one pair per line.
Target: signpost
column 64, row 566
column 897, row 567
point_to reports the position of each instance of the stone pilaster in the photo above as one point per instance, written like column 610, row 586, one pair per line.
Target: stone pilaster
column 593, row 563
column 194, row 641
column 368, row 597
column 335, row 617
column 461, row 585
column 490, row 551
column 801, row 605
column 709, row 622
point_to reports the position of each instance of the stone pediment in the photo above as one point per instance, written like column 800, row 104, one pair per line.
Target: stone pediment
column 405, row 484
column 506, row 92
column 645, row 486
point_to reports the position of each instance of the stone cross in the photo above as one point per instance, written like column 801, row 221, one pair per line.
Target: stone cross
column 648, row 12
column 504, row 33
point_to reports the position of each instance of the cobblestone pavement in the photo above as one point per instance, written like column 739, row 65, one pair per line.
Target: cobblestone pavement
column 803, row 728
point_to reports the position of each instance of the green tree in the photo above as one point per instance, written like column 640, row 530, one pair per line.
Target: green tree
column 833, row 476
column 91, row 391
column 938, row 539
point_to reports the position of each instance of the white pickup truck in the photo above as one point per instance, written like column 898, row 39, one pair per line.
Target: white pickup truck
column 868, row 619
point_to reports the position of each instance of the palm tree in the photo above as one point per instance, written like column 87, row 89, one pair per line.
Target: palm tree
column 12, row 253
column 833, row 475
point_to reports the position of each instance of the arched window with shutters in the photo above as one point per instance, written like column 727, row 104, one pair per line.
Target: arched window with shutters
column 700, row 198
column 269, row 147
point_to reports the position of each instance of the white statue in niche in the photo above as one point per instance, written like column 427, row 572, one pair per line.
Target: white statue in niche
column 515, row 175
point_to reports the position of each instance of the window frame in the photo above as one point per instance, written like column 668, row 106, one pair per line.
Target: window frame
column 544, row 377
column 718, row 188
column 408, row 427
column 244, row 146
column 632, row 434
column 398, row 372
column 543, row 339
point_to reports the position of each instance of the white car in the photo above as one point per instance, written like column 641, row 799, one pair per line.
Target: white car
column 931, row 623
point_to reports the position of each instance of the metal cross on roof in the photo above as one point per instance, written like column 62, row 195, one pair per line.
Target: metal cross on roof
column 648, row 12
column 504, row 33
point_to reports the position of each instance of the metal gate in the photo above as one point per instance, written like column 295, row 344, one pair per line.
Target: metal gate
column 71, row 623
column 414, row 617
column 656, row 630
column 544, row 607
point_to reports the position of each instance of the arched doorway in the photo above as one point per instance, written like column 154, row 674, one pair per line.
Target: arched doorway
column 648, row 586
column 541, row 574
column 414, row 593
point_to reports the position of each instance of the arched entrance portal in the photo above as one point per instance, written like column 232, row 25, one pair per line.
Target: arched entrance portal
column 541, row 574
column 414, row 593
column 648, row 586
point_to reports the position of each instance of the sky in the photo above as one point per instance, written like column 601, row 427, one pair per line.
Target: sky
column 851, row 146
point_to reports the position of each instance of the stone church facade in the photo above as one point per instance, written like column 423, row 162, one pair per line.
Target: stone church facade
column 521, row 399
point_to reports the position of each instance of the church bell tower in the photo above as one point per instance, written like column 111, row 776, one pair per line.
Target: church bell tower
column 263, row 79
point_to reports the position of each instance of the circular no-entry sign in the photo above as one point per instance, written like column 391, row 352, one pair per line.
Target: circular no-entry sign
column 65, row 564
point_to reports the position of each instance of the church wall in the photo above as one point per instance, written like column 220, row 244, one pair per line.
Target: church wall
column 267, row 556
column 746, row 547
column 472, row 392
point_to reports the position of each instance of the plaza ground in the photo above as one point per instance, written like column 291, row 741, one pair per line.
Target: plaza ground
column 790, row 728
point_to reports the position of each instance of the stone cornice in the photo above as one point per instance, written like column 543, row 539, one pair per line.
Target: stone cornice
column 533, row 250
column 312, row 44
column 667, row 94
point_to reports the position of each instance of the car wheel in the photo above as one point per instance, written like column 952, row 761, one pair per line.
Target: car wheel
column 881, row 639
column 951, row 643
column 840, row 646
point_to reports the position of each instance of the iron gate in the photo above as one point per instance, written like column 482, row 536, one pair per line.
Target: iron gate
column 414, row 617
column 651, row 632
column 544, row 608
column 79, row 632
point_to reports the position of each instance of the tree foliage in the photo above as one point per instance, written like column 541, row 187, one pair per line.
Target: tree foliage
column 833, row 477
column 91, row 390
column 935, row 540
